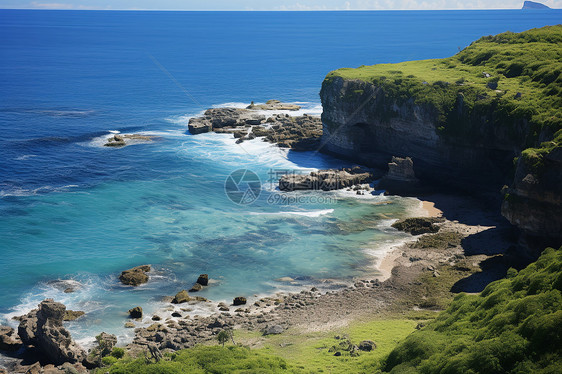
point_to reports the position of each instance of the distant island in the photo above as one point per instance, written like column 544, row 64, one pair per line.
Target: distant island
column 534, row 5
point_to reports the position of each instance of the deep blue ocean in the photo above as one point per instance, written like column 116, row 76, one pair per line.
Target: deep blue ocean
column 71, row 209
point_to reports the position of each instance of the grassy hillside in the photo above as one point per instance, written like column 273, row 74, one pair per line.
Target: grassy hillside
column 512, row 78
column 513, row 326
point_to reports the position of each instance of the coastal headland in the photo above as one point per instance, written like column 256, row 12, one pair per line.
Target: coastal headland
column 476, row 137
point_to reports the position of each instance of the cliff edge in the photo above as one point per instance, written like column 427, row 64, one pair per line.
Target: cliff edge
column 486, row 117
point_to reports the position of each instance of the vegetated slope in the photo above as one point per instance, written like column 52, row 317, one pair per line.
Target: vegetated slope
column 513, row 326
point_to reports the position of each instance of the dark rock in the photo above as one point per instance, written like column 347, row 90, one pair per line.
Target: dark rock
column 135, row 312
column 9, row 340
column 43, row 329
column 325, row 180
column 196, row 287
column 203, row 279
column 239, row 300
column 367, row 345
column 135, row 276
column 176, row 314
column 337, row 354
column 418, row 225
column 181, row 297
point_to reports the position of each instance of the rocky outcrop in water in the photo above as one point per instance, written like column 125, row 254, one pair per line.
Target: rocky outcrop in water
column 121, row 140
column 216, row 118
column 135, row 276
column 325, row 180
column 273, row 105
column 43, row 329
column 400, row 178
column 300, row 133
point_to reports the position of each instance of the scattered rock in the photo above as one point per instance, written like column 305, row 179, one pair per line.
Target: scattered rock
column 203, row 279
column 43, row 329
column 71, row 315
column 273, row 330
column 367, row 345
column 156, row 318
column 135, row 276
column 129, row 325
column 239, row 300
column 176, row 315
column 196, row 287
column 181, row 297
column 136, row 312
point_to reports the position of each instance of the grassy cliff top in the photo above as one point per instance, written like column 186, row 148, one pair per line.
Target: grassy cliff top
column 520, row 71
column 513, row 326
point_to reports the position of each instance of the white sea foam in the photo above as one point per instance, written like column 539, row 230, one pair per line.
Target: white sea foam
column 24, row 157
column 311, row 213
column 18, row 191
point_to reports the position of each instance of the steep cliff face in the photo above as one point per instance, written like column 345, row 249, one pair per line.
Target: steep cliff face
column 463, row 120
column 365, row 122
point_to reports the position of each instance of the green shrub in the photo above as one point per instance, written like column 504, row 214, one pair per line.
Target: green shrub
column 513, row 326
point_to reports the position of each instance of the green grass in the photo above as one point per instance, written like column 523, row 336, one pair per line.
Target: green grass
column 204, row 359
column 526, row 66
column 313, row 353
column 513, row 326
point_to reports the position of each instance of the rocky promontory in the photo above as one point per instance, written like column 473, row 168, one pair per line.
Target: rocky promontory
column 42, row 328
column 461, row 123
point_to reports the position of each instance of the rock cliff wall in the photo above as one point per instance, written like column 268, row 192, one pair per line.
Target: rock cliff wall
column 477, row 121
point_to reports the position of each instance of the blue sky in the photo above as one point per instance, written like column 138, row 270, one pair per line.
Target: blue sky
column 270, row 5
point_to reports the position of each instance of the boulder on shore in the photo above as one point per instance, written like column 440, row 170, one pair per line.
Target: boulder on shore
column 196, row 287
column 135, row 276
column 239, row 300
column 43, row 329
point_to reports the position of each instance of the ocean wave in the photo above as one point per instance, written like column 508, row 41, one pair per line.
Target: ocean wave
column 19, row 191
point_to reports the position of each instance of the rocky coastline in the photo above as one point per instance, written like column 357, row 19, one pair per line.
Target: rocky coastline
column 299, row 133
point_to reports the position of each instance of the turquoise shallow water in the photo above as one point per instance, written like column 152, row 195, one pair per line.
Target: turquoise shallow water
column 72, row 209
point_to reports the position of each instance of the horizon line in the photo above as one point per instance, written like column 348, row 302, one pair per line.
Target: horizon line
column 270, row 10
